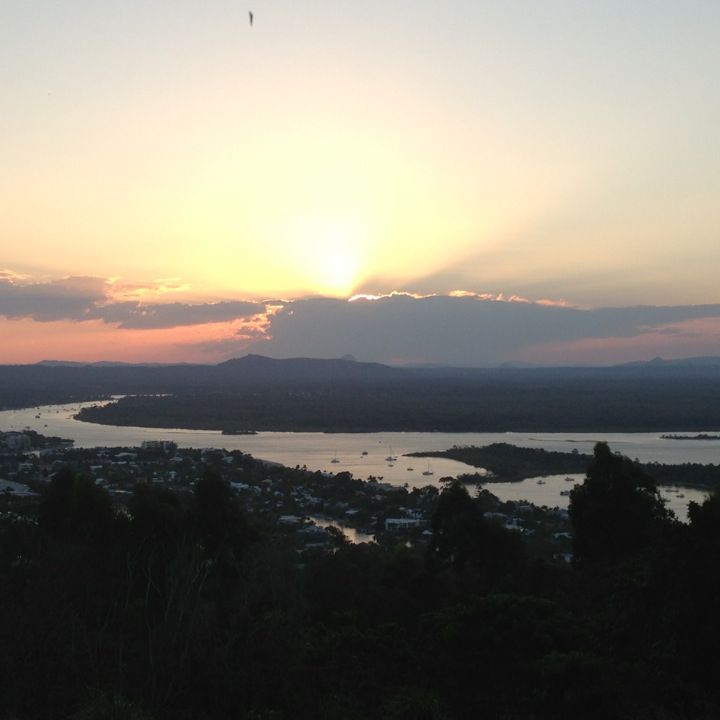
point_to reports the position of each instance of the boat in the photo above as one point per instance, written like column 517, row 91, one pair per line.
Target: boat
column 540, row 482
column 410, row 469
column 565, row 493
column 680, row 495
column 428, row 471
column 334, row 461
column 364, row 452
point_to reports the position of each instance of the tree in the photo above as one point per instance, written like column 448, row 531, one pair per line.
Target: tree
column 157, row 514
column 465, row 541
column 217, row 517
column 74, row 508
column 617, row 511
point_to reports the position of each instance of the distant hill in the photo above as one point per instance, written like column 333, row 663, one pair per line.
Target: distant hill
column 61, row 363
column 262, row 369
column 262, row 393
column 708, row 361
column 60, row 381
column 102, row 363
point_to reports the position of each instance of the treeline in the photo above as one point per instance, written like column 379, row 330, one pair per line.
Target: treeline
column 510, row 463
column 181, row 606
column 256, row 393
column 495, row 402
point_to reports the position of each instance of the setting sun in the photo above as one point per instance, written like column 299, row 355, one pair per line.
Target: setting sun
column 327, row 253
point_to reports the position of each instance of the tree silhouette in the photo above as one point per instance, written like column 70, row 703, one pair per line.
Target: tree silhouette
column 617, row 510
column 467, row 543
column 74, row 508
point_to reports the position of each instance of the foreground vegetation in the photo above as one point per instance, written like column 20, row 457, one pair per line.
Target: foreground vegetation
column 180, row 605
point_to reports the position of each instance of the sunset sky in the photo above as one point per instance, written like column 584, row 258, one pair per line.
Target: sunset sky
column 176, row 185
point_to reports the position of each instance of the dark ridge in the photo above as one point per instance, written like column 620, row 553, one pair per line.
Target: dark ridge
column 265, row 368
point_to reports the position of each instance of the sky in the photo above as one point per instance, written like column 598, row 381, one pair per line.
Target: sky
column 176, row 185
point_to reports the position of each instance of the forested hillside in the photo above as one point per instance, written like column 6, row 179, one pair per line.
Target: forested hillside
column 259, row 393
column 181, row 605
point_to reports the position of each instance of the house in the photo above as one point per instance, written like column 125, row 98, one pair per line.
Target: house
column 164, row 445
column 15, row 442
column 15, row 488
column 394, row 524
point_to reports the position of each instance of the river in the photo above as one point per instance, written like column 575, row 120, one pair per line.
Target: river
column 365, row 454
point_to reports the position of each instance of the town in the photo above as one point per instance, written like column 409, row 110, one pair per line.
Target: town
column 203, row 568
column 311, row 510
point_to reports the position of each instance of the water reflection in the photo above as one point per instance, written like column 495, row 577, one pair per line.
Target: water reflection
column 554, row 491
column 366, row 454
column 353, row 535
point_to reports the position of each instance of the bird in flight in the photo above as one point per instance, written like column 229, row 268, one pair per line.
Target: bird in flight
column 250, row 14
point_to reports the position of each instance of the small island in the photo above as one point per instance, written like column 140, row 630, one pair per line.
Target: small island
column 700, row 436
column 509, row 463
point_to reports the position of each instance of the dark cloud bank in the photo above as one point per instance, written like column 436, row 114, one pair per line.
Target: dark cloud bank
column 86, row 298
column 154, row 316
column 466, row 330
column 452, row 330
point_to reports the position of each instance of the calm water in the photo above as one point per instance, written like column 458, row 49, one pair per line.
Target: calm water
column 317, row 450
column 353, row 535
column 548, row 492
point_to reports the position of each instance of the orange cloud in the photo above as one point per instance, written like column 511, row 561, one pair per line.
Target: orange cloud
column 26, row 341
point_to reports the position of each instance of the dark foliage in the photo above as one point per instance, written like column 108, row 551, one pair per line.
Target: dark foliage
column 617, row 511
column 255, row 393
column 180, row 606
column 479, row 401
column 510, row 463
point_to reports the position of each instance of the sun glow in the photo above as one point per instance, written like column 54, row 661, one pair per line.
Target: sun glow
column 328, row 254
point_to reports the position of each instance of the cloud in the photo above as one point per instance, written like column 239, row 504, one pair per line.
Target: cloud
column 458, row 328
column 12, row 276
column 695, row 337
column 69, row 298
column 146, row 316
column 122, row 290
column 465, row 329
column 81, row 299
